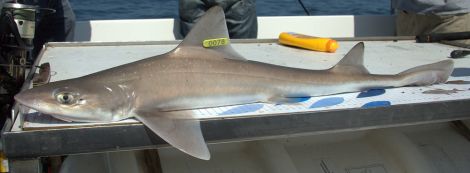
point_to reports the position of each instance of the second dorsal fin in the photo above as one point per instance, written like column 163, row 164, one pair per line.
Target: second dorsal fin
column 211, row 27
column 352, row 62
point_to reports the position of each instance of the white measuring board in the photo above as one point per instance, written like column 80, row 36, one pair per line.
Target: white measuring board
column 381, row 57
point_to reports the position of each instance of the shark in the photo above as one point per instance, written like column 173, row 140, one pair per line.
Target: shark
column 191, row 76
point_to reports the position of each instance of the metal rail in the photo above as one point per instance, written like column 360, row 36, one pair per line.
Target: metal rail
column 33, row 144
column 75, row 44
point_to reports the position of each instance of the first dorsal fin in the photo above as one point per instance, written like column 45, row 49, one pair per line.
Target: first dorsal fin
column 211, row 26
column 352, row 62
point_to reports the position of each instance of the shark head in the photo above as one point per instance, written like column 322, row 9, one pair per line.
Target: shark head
column 78, row 100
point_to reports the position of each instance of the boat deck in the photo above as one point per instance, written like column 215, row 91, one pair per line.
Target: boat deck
column 34, row 135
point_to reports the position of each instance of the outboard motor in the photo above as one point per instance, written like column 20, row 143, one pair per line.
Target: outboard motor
column 17, row 28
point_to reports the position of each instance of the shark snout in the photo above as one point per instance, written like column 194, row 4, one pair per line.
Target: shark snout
column 24, row 101
column 26, row 98
column 22, row 98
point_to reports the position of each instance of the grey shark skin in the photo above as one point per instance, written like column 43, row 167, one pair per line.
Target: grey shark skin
column 191, row 76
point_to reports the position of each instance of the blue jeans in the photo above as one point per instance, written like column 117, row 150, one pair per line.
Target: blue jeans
column 239, row 14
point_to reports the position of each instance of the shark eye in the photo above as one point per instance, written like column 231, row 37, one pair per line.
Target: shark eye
column 65, row 98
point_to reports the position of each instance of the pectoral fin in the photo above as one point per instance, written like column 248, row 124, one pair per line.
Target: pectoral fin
column 183, row 134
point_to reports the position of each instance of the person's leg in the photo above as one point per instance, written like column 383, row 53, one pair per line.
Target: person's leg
column 189, row 13
column 410, row 24
column 240, row 15
column 241, row 19
column 454, row 23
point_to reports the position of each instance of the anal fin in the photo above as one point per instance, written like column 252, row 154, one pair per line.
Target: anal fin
column 183, row 134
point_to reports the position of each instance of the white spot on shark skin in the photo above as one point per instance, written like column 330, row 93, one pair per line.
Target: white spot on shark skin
column 81, row 101
column 177, row 50
column 109, row 89
column 132, row 95
column 123, row 87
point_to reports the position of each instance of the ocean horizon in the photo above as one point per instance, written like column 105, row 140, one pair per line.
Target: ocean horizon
column 150, row 9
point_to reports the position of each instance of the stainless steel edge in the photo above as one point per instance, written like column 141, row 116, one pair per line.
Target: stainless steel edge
column 32, row 144
column 75, row 44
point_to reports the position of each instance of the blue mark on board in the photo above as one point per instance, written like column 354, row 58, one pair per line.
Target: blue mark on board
column 375, row 104
column 298, row 99
column 331, row 101
column 371, row 93
column 243, row 109
column 460, row 72
column 293, row 100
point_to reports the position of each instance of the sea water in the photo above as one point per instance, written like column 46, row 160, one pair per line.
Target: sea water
column 150, row 9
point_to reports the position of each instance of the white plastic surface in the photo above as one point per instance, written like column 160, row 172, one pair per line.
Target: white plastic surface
column 381, row 57
column 268, row 27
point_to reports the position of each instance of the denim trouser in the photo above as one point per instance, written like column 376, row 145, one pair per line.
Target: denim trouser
column 240, row 15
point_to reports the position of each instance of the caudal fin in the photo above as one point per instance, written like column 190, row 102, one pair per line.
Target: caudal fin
column 428, row 74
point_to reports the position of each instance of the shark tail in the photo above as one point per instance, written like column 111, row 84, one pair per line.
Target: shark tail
column 428, row 74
